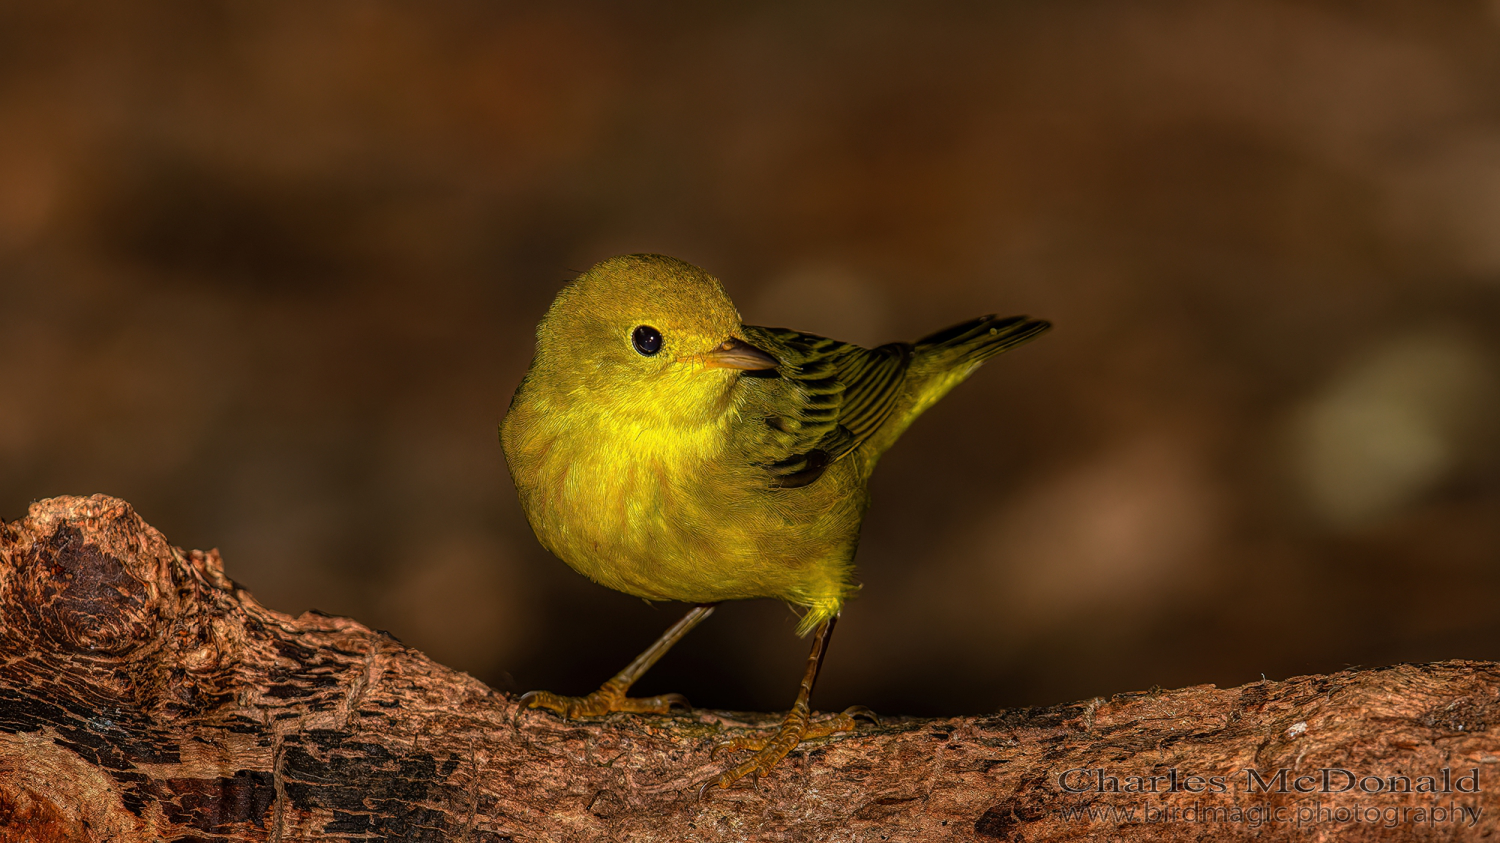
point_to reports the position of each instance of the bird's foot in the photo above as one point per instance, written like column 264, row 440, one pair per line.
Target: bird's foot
column 771, row 747
column 609, row 698
column 842, row 722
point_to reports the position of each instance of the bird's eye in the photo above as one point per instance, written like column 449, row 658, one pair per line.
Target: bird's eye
column 647, row 340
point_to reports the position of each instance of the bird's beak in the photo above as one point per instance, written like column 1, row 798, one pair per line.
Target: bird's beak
column 735, row 353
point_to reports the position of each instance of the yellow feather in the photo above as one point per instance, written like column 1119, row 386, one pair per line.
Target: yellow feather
column 660, row 475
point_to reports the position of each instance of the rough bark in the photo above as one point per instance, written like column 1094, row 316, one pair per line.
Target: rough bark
column 144, row 696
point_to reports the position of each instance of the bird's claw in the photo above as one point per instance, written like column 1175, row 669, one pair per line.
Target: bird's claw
column 735, row 744
column 725, row 779
column 771, row 747
column 604, row 701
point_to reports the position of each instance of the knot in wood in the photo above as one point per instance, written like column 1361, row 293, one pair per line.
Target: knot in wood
column 70, row 593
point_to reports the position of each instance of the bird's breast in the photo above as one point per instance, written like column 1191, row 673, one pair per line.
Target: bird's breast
column 695, row 523
column 625, row 507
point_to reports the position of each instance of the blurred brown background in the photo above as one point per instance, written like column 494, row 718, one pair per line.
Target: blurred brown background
column 271, row 273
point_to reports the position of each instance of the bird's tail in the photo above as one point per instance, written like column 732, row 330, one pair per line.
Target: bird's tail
column 976, row 340
column 942, row 361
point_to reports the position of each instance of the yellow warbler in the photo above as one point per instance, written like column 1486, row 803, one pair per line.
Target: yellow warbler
column 665, row 449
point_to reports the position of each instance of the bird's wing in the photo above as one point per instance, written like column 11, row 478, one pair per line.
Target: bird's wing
column 835, row 395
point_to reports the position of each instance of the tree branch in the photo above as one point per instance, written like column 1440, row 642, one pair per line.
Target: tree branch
column 145, row 697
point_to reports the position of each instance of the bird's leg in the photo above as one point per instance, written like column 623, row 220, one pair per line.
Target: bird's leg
column 797, row 727
column 611, row 695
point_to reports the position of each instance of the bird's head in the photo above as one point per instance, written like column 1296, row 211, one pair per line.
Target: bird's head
column 648, row 338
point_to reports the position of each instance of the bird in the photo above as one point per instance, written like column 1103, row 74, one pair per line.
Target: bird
column 665, row 449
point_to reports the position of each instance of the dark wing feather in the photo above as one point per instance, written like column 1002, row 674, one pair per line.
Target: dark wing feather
column 834, row 395
column 873, row 380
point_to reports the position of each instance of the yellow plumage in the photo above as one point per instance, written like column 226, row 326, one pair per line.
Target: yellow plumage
column 664, row 449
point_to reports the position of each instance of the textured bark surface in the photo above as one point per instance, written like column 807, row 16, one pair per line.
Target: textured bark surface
column 144, row 697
